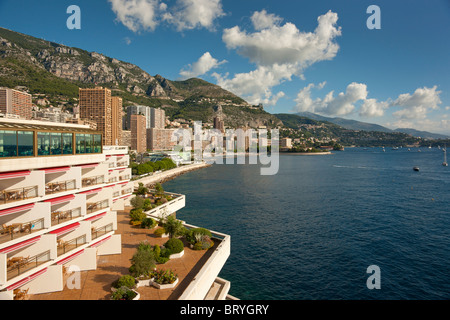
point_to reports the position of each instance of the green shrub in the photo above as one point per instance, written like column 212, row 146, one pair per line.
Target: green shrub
column 148, row 223
column 137, row 202
column 196, row 234
column 126, row 281
column 159, row 232
column 143, row 262
column 123, row 293
column 137, row 215
column 164, row 276
column 174, row 245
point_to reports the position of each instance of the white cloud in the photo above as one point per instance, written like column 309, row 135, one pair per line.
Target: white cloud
column 191, row 14
column 262, row 20
column 146, row 15
column 201, row 66
column 255, row 86
column 137, row 15
column 418, row 104
column 279, row 52
column 342, row 104
column 373, row 108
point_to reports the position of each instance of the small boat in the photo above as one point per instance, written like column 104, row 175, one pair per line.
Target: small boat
column 395, row 148
column 416, row 169
column 445, row 164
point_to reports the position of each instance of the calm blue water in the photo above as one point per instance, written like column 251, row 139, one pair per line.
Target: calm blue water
column 311, row 231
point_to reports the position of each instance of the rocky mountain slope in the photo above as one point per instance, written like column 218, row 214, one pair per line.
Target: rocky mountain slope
column 55, row 72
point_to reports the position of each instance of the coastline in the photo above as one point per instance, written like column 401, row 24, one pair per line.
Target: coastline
column 307, row 153
column 168, row 175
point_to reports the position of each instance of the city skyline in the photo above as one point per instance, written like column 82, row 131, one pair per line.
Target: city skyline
column 319, row 57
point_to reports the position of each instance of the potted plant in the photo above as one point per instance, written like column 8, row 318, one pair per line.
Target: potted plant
column 164, row 279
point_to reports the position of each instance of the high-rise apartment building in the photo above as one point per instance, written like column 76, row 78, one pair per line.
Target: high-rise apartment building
column 160, row 139
column 98, row 105
column 116, row 107
column 16, row 103
column 143, row 110
column 138, row 133
column 219, row 124
column 158, row 118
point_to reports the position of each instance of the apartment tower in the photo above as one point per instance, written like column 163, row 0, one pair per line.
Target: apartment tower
column 138, row 133
column 16, row 103
column 116, row 108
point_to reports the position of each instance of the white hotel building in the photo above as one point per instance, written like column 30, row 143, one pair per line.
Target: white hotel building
column 59, row 192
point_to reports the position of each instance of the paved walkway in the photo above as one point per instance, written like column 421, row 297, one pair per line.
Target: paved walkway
column 96, row 284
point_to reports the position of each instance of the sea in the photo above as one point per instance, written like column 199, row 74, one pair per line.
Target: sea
column 358, row 224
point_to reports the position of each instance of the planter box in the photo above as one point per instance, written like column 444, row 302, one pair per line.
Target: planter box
column 177, row 255
column 144, row 283
column 165, row 286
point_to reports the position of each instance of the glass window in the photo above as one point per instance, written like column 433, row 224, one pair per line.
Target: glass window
column 56, row 143
column 97, row 143
column 89, row 143
column 80, row 143
column 8, row 143
column 43, row 143
column 67, row 143
column 25, row 142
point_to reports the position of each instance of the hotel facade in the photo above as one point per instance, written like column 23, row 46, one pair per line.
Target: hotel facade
column 60, row 190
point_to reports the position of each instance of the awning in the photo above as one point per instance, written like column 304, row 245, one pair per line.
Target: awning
column 96, row 217
column 65, row 229
column 120, row 155
column 26, row 280
column 100, row 242
column 111, row 185
column 14, row 174
column 92, row 191
column 16, row 209
column 70, row 258
column 20, row 245
column 61, row 199
column 56, row 169
column 126, row 182
column 90, row 165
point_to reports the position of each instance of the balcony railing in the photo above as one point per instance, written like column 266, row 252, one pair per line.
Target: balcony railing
column 18, row 265
column 122, row 164
column 92, row 181
column 127, row 177
column 63, row 216
column 9, row 232
column 92, row 207
column 127, row 191
column 116, row 194
column 66, row 246
column 111, row 180
column 55, row 187
column 112, row 165
column 101, row 231
column 12, row 195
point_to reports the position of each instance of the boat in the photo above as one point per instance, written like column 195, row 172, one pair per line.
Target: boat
column 395, row 148
column 445, row 164
column 416, row 169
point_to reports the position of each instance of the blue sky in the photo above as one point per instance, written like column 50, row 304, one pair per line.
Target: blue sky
column 274, row 52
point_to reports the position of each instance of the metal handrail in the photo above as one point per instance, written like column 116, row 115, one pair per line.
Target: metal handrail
column 18, row 194
column 55, row 187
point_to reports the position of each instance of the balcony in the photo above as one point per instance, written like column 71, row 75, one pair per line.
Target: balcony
column 101, row 231
column 92, row 181
column 18, row 230
column 64, row 216
column 92, row 207
column 66, row 246
column 13, row 195
column 122, row 164
column 127, row 177
column 55, row 187
column 19, row 265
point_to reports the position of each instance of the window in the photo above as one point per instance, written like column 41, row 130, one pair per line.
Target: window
column 89, row 143
column 43, row 145
column 67, row 143
column 8, row 144
column 56, row 143
column 80, row 143
column 25, row 143
column 97, row 143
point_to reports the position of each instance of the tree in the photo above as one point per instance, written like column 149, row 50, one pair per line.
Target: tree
column 159, row 189
column 143, row 262
column 173, row 226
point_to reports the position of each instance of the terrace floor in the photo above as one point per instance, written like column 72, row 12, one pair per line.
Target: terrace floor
column 96, row 284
